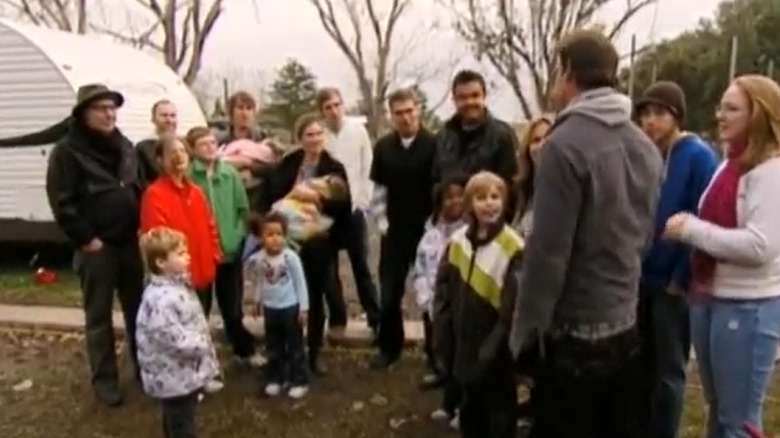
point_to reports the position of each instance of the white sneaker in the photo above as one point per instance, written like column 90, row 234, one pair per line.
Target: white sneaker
column 455, row 423
column 213, row 386
column 273, row 389
column 256, row 360
column 297, row 392
column 440, row 415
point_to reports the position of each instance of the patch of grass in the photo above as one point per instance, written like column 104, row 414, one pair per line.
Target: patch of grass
column 18, row 286
column 695, row 415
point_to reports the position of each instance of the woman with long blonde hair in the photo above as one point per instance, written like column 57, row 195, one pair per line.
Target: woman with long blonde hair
column 735, row 288
column 531, row 144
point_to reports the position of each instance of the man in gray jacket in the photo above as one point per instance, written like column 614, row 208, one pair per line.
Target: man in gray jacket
column 596, row 195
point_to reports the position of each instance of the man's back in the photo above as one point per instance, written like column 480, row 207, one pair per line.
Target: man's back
column 595, row 201
column 622, row 170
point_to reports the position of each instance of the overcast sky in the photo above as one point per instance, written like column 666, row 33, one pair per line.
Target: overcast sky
column 255, row 41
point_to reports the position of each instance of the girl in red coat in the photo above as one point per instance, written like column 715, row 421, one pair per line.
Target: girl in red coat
column 176, row 202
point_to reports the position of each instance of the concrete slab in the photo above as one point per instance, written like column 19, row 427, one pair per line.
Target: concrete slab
column 357, row 334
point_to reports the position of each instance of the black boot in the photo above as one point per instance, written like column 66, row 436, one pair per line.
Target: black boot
column 108, row 394
column 315, row 366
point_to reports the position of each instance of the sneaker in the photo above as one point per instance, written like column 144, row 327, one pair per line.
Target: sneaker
column 273, row 389
column 455, row 423
column 256, row 360
column 299, row 391
column 440, row 415
column 213, row 386
column 431, row 380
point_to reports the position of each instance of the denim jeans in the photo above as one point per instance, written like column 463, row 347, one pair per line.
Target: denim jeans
column 664, row 329
column 735, row 343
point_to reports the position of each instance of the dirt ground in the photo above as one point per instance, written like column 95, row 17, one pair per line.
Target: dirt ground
column 350, row 402
column 44, row 393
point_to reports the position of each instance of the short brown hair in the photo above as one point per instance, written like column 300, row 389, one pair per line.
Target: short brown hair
column 479, row 184
column 195, row 134
column 590, row 57
column 158, row 104
column 304, row 122
column 157, row 244
column 401, row 95
column 240, row 98
column 325, row 94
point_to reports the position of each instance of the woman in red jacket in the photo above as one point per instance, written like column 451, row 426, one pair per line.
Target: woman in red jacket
column 174, row 201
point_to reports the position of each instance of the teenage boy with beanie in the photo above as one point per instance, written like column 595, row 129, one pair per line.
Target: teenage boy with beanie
column 663, row 312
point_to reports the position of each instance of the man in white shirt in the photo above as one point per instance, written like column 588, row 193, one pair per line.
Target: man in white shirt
column 350, row 144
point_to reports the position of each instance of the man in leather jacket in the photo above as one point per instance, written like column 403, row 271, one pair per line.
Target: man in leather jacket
column 473, row 140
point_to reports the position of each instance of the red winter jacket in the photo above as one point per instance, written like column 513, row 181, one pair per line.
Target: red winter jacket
column 184, row 208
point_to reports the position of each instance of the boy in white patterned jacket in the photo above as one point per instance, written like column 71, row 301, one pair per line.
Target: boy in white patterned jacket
column 175, row 352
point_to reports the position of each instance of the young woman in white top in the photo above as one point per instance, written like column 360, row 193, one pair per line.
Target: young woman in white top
column 735, row 292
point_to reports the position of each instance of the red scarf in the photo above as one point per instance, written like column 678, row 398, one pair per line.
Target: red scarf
column 718, row 207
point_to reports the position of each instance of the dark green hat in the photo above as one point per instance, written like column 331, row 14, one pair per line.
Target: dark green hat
column 92, row 92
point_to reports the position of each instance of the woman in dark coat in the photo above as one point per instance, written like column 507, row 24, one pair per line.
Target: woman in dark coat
column 311, row 161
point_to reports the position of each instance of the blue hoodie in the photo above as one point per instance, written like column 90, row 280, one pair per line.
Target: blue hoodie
column 688, row 167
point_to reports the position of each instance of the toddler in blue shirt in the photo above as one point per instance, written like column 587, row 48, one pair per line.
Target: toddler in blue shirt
column 283, row 296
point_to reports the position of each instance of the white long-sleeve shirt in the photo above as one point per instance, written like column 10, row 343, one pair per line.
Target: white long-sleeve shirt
column 351, row 145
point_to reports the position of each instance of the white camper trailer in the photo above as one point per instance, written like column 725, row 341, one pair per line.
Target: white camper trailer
column 40, row 71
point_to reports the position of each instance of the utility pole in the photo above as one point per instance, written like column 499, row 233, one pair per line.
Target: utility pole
column 733, row 60
column 632, row 69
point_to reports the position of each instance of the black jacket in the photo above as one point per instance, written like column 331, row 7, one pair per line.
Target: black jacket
column 93, row 187
column 491, row 146
column 406, row 174
column 147, row 161
column 285, row 175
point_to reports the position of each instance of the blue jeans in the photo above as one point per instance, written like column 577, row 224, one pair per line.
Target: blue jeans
column 735, row 343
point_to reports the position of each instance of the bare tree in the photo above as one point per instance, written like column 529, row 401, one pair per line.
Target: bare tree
column 65, row 15
column 177, row 29
column 365, row 32
column 518, row 37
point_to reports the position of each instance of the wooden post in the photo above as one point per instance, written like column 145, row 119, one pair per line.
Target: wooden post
column 733, row 60
column 632, row 69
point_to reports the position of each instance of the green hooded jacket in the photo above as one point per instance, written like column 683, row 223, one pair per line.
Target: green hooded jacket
column 229, row 204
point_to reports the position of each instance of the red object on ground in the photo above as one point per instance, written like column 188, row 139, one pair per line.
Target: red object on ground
column 45, row 276
column 754, row 432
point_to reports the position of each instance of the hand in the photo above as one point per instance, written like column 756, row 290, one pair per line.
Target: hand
column 251, row 308
column 676, row 227
column 674, row 290
column 94, row 245
column 303, row 317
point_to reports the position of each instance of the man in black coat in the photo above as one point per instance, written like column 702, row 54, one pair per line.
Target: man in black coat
column 93, row 189
column 473, row 140
column 401, row 170
column 165, row 121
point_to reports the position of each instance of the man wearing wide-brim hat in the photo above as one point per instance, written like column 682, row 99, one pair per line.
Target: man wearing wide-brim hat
column 93, row 190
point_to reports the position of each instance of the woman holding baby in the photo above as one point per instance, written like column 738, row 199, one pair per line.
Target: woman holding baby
column 311, row 162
